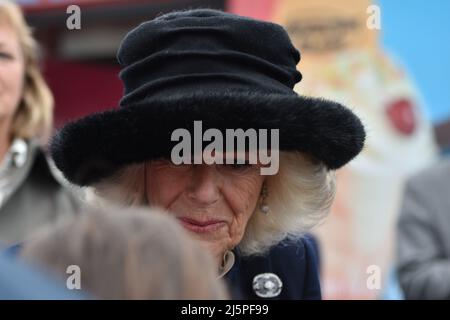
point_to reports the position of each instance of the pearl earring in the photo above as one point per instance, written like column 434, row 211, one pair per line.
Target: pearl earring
column 264, row 207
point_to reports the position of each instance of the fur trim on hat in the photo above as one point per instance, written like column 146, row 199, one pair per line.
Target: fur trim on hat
column 96, row 146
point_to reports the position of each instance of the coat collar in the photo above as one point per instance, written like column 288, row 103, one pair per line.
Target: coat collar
column 15, row 167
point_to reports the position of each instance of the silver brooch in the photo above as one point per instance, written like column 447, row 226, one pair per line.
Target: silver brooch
column 267, row 285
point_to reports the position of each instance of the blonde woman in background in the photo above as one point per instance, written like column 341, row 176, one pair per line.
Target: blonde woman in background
column 128, row 254
column 30, row 195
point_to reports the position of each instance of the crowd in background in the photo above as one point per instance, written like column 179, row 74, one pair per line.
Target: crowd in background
column 47, row 224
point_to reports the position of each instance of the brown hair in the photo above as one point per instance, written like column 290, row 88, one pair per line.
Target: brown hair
column 128, row 254
column 34, row 115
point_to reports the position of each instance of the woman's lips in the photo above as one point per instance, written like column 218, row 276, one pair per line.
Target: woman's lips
column 201, row 226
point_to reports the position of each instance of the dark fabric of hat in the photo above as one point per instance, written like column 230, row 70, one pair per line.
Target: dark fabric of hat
column 225, row 70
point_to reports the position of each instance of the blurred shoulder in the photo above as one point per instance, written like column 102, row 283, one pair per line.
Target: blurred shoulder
column 438, row 171
column 435, row 178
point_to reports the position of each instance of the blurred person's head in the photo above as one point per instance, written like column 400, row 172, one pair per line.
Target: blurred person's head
column 128, row 254
column 26, row 103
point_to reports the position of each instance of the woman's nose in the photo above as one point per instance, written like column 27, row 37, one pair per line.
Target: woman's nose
column 204, row 186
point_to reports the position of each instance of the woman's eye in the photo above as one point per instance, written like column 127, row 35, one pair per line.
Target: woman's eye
column 238, row 166
column 169, row 164
column 6, row 56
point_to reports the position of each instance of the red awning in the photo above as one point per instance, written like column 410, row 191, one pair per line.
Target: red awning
column 31, row 6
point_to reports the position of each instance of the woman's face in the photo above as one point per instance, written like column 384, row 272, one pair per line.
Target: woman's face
column 213, row 202
column 11, row 72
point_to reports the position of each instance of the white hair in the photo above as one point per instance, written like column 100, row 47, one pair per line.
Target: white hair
column 299, row 197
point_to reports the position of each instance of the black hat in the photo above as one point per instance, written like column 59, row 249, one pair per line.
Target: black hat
column 225, row 70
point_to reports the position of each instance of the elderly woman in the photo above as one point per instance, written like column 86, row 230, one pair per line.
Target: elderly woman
column 227, row 72
column 30, row 194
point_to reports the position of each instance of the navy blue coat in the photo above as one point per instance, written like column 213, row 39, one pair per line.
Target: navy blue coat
column 294, row 262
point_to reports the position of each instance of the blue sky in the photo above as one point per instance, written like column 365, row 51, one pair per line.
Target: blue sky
column 418, row 32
